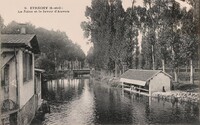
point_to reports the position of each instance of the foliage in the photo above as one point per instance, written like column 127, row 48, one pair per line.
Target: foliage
column 55, row 46
column 169, row 33
column 109, row 30
column 97, row 30
column 130, row 36
column 1, row 23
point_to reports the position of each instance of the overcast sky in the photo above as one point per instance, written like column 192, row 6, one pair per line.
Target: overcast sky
column 68, row 22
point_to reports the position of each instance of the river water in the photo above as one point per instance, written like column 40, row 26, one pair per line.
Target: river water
column 85, row 102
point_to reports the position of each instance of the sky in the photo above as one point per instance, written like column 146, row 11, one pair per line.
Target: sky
column 68, row 21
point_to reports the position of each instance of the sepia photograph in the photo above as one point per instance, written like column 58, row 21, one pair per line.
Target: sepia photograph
column 100, row 62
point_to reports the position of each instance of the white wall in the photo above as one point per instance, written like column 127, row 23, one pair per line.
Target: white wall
column 157, row 83
column 26, row 89
column 12, row 80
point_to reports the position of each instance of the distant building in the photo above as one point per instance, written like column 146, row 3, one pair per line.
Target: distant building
column 146, row 81
column 69, row 65
column 18, row 85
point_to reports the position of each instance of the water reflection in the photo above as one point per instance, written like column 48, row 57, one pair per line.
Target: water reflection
column 62, row 90
column 72, row 102
column 82, row 101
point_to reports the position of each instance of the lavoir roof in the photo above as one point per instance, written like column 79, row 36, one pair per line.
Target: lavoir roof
column 139, row 77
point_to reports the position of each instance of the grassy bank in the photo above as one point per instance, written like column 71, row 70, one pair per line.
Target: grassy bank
column 187, row 87
column 106, row 79
column 182, row 85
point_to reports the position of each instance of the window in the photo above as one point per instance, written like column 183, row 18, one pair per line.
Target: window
column 5, row 75
column 27, row 66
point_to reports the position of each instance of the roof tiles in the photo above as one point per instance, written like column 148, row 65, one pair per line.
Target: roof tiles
column 142, row 75
column 16, row 38
column 21, row 40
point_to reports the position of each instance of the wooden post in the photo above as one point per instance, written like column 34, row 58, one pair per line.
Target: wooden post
column 122, row 88
column 186, row 68
column 123, row 69
column 163, row 65
column 153, row 57
column 139, row 89
column 191, row 72
column 17, row 83
column 115, row 68
column 175, row 75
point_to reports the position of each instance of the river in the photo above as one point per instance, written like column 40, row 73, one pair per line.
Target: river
column 84, row 102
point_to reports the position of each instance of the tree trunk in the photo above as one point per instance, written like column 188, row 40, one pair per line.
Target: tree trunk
column 115, row 68
column 186, row 68
column 175, row 75
column 191, row 72
column 55, row 62
column 163, row 65
column 123, row 69
column 153, row 58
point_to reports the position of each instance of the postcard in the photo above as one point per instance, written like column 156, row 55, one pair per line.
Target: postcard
column 80, row 62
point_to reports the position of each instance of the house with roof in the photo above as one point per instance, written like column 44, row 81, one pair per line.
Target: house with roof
column 145, row 81
column 18, row 85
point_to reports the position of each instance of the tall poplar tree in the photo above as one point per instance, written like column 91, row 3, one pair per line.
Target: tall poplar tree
column 96, row 29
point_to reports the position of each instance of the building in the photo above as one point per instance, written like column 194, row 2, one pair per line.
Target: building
column 70, row 65
column 17, row 78
column 145, row 81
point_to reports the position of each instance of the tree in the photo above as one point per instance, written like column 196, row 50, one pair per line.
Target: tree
column 55, row 46
column 1, row 23
column 96, row 29
column 151, row 27
column 116, row 33
column 167, row 34
column 146, row 51
column 162, row 46
column 161, row 30
column 131, row 34
column 105, row 28
column 190, row 39
column 90, row 58
column 175, row 45
column 14, row 28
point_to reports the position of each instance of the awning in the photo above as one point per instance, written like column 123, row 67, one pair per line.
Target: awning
column 6, row 59
column 39, row 70
column 131, row 81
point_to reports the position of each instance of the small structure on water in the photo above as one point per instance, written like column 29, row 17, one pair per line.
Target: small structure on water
column 145, row 81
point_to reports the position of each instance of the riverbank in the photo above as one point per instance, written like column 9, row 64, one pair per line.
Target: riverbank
column 57, row 75
column 182, row 92
column 179, row 96
column 106, row 79
column 50, row 76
